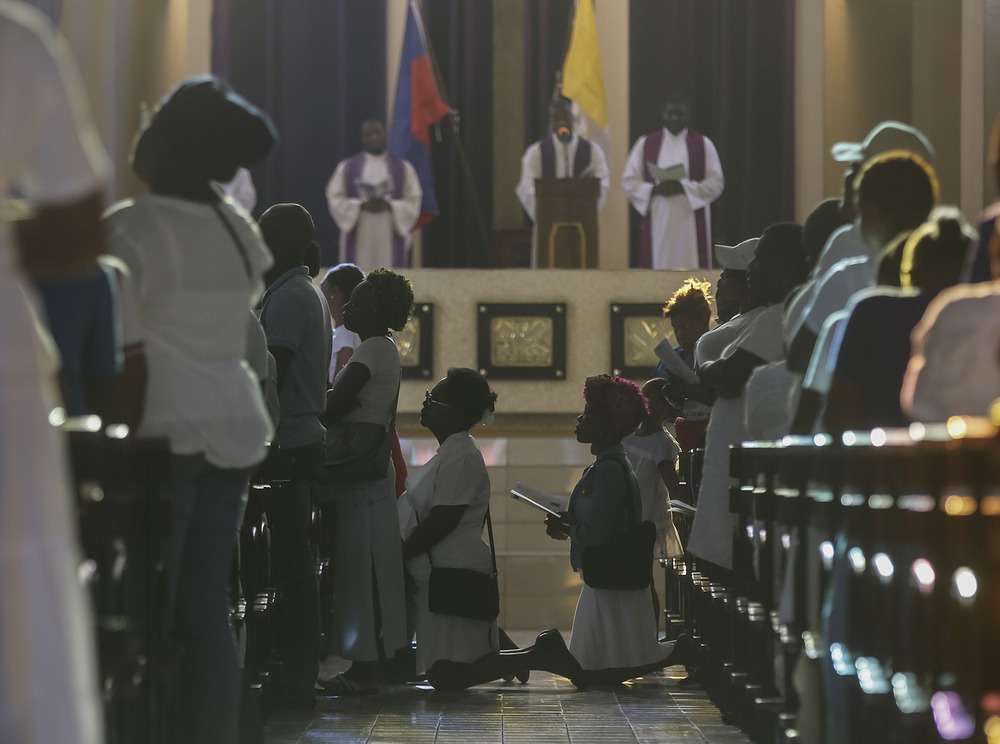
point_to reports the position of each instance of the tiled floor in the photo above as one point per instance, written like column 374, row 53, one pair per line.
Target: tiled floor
column 547, row 709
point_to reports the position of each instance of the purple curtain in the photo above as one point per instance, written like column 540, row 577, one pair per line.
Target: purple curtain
column 318, row 68
column 735, row 58
column 460, row 35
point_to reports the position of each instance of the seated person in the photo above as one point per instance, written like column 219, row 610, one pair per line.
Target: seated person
column 873, row 349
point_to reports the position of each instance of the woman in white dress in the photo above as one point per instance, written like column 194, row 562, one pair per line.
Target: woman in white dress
column 614, row 630
column 369, row 608
column 442, row 513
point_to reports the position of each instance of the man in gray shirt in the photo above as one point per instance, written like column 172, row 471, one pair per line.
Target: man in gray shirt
column 296, row 321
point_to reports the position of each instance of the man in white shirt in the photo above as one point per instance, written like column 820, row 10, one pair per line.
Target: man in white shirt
column 561, row 154
column 672, row 177
column 374, row 197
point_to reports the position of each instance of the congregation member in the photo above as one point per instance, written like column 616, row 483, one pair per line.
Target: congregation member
column 847, row 243
column 894, row 192
column 777, row 267
column 614, row 628
column 653, row 455
column 337, row 285
column 374, row 197
column 978, row 264
column 51, row 155
column 671, row 179
column 369, row 606
column 296, row 321
column 562, row 153
column 689, row 311
column 198, row 261
column 773, row 390
column 873, row 348
column 732, row 300
column 442, row 515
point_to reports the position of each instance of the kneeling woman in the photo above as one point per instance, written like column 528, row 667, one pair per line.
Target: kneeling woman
column 614, row 630
column 442, row 516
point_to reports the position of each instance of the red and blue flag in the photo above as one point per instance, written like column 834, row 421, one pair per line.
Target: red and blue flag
column 418, row 105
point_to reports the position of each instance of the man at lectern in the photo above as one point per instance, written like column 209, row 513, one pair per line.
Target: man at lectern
column 560, row 154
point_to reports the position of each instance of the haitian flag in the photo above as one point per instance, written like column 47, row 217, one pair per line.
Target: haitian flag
column 418, row 105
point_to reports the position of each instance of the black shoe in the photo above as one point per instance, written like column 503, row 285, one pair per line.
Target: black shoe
column 551, row 655
column 685, row 651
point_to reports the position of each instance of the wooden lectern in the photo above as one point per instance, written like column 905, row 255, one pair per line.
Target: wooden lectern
column 566, row 222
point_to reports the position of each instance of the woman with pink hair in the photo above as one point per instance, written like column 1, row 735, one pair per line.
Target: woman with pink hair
column 614, row 629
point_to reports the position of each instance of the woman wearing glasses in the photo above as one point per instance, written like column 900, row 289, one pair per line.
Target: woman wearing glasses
column 369, row 608
column 442, row 515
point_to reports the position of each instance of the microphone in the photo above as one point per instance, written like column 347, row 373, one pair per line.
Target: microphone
column 564, row 133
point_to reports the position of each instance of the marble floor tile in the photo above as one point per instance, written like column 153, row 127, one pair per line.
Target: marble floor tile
column 547, row 710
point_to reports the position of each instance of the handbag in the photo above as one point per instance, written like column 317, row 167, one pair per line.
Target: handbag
column 626, row 560
column 464, row 592
column 357, row 451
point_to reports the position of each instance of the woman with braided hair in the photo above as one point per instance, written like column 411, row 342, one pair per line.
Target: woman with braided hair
column 369, row 606
column 614, row 630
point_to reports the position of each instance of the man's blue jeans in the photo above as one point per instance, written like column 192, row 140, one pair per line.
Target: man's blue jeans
column 207, row 508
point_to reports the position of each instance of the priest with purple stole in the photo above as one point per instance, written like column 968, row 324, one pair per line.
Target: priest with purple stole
column 560, row 154
column 672, row 177
column 374, row 198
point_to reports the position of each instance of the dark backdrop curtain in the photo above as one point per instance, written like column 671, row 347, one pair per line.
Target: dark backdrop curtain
column 461, row 36
column 318, row 68
column 736, row 60
column 546, row 35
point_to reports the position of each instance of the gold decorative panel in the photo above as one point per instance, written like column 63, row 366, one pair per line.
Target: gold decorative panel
column 636, row 329
column 522, row 341
column 642, row 334
column 408, row 343
column 416, row 343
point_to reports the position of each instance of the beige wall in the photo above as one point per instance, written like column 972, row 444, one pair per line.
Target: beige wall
column 926, row 63
column 588, row 295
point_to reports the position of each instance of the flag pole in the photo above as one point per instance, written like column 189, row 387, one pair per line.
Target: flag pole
column 453, row 123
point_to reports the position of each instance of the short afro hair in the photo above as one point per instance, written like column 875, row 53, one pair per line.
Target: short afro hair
column 393, row 295
column 692, row 300
column 619, row 402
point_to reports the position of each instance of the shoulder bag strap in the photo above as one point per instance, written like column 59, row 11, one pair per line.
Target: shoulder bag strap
column 628, row 487
column 489, row 529
column 232, row 233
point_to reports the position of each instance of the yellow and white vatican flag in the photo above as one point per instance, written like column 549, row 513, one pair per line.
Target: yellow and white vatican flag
column 582, row 79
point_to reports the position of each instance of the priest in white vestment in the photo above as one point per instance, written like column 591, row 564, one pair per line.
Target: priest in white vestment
column 672, row 177
column 374, row 198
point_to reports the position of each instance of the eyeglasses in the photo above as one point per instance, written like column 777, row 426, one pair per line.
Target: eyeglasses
column 430, row 400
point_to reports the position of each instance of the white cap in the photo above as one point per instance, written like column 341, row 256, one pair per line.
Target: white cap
column 889, row 135
column 736, row 257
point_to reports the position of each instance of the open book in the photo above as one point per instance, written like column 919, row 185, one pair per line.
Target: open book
column 673, row 173
column 380, row 190
column 549, row 503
